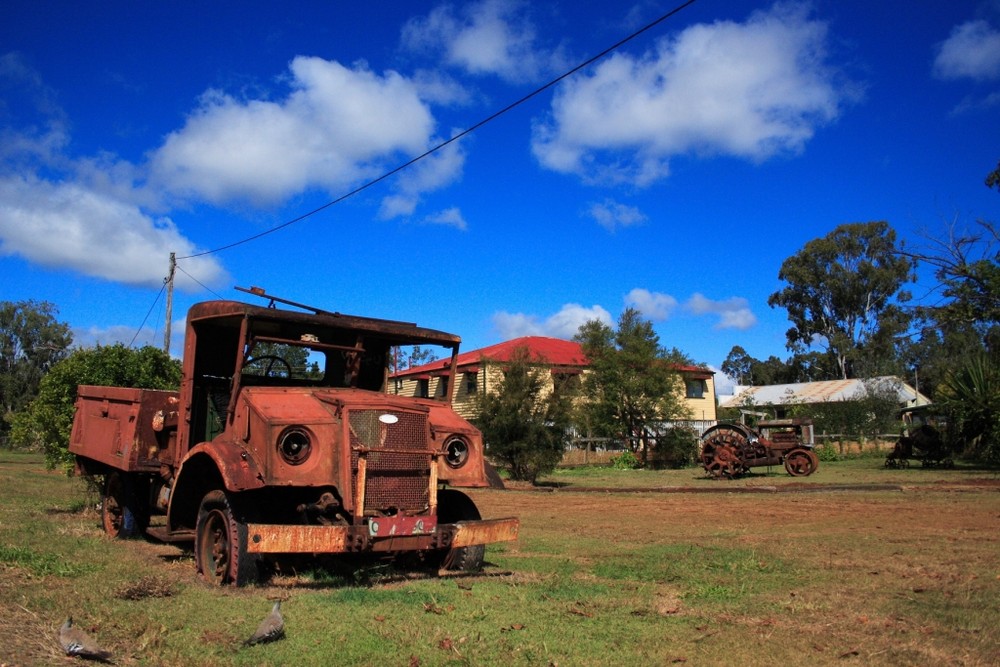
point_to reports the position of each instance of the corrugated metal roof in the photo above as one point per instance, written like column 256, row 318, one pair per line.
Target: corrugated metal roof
column 820, row 392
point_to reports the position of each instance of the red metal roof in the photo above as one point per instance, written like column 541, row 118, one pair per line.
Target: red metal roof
column 551, row 351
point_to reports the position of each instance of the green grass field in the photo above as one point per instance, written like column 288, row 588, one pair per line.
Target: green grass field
column 903, row 572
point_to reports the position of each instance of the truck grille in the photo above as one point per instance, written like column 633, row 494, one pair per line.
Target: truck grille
column 398, row 463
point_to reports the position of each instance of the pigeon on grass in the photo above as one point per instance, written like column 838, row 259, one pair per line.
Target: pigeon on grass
column 270, row 629
column 75, row 642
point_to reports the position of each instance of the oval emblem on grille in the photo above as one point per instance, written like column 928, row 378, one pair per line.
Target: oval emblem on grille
column 388, row 419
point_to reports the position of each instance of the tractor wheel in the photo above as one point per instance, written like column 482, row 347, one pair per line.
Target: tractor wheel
column 722, row 450
column 220, row 543
column 123, row 513
column 801, row 462
column 722, row 461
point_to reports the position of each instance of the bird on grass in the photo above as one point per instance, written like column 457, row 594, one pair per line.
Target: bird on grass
column 76, row 642
column 270, row 629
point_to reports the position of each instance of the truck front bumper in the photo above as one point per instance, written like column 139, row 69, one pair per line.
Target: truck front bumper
column 287, row 539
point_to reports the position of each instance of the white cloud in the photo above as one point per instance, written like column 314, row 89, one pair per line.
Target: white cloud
column 971, row 51
column 492, row 37
column 724, row 385
column 565, row 324
column 129, row 335
column 451, row 217
column 653, row 305
column 751, row 90
column 70, row 225
column 338, row 127
column 611, row 214
column 734, row 313
column 433, row 172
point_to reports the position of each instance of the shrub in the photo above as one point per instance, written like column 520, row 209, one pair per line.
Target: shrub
column 676, row 447
column 625, row 461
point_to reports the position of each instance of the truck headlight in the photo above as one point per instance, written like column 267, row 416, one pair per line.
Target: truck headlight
column 294, row 445
column 456, row 451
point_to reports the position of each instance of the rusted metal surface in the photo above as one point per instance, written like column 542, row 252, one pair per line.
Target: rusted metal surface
column 320, row 462
column 278, row 539
column 731, row 450
column 487, row 531
column 117, row 426
column 388, row 534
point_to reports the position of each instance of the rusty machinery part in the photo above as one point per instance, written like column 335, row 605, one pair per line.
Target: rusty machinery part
column 801, row 462
column 722, row 461
column 892, row 461
column 724, row 448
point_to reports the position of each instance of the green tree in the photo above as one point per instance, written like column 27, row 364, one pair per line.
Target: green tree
column 632, row 386
column 993, row 178
column 409, row 357
column 31, row 340
column 525, row 428
column 738, row 365
column 844, row 293
column 967, row 268
column 46, row 422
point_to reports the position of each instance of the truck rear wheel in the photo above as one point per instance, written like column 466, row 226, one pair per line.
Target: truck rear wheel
column 454, row 506
column 220, row 543
column 123, row 513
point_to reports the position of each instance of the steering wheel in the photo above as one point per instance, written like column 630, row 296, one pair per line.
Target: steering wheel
column 268, row 367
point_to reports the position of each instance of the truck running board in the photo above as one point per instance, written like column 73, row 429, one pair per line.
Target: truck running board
column 163, row 535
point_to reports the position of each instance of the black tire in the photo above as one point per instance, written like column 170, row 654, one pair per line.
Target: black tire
column 124, row 514
column 220, row 543
column 454, row 506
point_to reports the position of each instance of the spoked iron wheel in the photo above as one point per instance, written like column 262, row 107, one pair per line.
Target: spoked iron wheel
column 722, row 461
column 722, row 451
column 801, row 462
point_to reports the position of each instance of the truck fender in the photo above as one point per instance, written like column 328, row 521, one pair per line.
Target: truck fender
column 210, row 465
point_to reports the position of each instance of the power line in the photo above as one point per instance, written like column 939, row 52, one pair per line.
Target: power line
column 443, row 144
column 204, row 286
column 155, row 301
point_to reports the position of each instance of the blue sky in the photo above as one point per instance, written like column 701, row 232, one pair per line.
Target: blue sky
column 674, row 175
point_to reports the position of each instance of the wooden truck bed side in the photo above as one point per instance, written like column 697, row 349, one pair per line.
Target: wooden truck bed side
column 126, row 429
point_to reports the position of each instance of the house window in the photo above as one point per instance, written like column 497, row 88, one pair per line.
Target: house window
column 566, row 383
column 443, row 386
column 423, row 389
column 471, row 383
column 695, row 388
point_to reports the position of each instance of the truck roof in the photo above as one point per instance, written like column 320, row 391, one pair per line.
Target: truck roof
column 403, row 332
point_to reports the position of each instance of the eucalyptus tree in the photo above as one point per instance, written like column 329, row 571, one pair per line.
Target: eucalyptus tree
column 844, row 293
column 31, row 341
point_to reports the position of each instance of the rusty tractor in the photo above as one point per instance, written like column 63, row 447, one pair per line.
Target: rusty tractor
column 730, row 450
column 921, row 440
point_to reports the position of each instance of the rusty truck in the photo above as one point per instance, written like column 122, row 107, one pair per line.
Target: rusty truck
column 282, row 440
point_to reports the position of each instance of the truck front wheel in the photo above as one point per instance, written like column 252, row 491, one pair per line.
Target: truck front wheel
column 454, row 506
column 123, row 513
column 220, row 543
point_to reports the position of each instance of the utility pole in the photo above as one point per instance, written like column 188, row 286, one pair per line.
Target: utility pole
column 170, row 304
